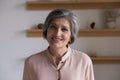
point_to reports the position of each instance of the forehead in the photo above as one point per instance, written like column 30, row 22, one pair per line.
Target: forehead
column 62, row 20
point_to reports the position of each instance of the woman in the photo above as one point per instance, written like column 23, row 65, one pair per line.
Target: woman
column 59, row 61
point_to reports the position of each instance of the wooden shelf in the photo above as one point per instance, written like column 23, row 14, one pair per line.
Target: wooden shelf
column 81, row 33
column 47, row 5
column 34, row 33
column 106, row 60
column 99, row 32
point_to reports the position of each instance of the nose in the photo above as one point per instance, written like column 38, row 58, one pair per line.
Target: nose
column 58, row 32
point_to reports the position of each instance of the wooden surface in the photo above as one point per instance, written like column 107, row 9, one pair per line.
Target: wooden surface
column 34, row 33
column 106, row 60
column 81, row 33
column 99, row 32
column 47, row 5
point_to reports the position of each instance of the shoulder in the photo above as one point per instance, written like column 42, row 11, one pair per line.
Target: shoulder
column 80, row 56
column 36, row 57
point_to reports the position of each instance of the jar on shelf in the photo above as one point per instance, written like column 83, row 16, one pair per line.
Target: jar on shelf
column 111, row 23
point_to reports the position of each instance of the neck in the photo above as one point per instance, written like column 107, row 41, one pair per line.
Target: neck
column 57, row 53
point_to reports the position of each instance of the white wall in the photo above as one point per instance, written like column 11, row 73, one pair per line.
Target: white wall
column 15, row 46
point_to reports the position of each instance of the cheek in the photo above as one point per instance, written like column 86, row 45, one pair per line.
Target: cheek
column 49, row 34
column 68, row 36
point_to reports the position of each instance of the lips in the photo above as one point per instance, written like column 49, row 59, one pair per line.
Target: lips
column 56, row 39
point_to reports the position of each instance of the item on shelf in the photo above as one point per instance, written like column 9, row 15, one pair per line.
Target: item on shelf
column 40, row 26
column 111, row 23
column 111, row 16
column 92, row 25
column 93, row 54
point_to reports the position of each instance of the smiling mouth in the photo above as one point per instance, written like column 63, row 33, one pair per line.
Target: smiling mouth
column 56, row 39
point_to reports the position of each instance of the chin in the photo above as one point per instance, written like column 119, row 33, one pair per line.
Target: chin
column 55, row 46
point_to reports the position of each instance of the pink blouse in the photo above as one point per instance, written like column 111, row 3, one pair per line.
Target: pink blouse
column 74, row 65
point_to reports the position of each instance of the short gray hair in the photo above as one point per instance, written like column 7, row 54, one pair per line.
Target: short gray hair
column 62, row 13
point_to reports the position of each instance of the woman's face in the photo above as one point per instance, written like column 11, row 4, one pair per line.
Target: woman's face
column 59, row 33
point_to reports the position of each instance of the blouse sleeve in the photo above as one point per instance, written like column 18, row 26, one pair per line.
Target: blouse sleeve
column 28, row 73
column 89, row 72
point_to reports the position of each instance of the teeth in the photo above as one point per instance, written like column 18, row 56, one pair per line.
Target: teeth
column 56, row 38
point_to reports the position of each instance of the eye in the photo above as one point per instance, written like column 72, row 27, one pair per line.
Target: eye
column 64, row 29
column 52, row 27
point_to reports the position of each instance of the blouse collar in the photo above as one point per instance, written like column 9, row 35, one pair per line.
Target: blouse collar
column 63, row 59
